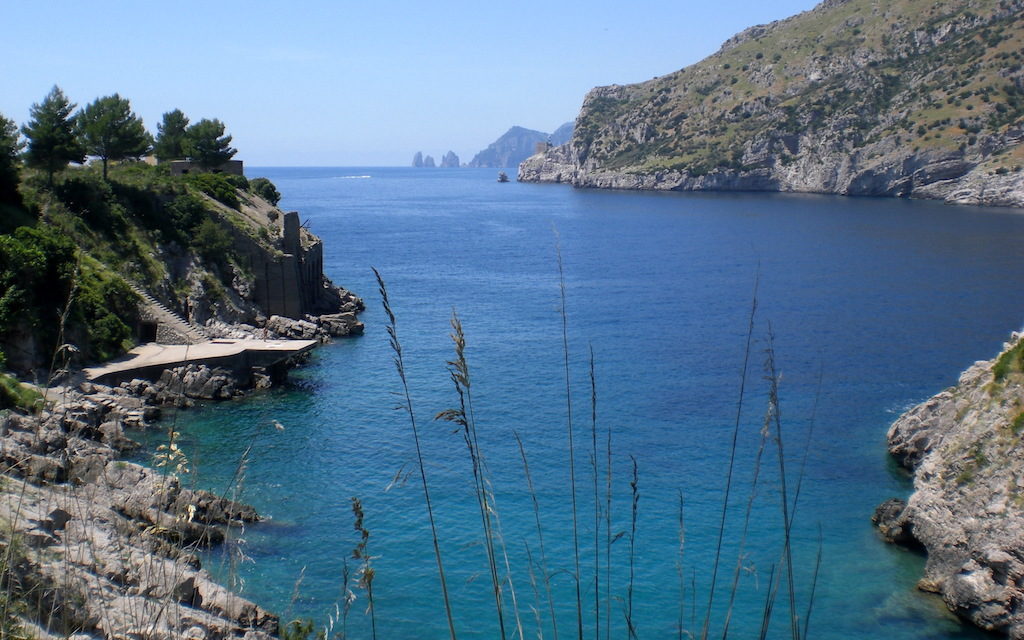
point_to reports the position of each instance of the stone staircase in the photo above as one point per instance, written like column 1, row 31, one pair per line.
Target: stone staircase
column 171, row 328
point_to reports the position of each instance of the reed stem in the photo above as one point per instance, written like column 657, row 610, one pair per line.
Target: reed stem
column 634, row 487
column 572, row 448
column 732, row 456
column 396, row 347
column 597, row 497
column 540, row 535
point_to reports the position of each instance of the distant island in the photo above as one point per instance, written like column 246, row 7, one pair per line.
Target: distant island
column 517, row 144
column 507, row 152
column 913, row 99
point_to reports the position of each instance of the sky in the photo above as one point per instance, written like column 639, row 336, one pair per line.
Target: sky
column 341, row 83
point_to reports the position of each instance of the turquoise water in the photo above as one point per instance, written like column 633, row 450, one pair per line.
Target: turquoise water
column 874, row 305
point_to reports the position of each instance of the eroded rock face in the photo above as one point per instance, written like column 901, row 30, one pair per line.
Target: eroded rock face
column 966, row 451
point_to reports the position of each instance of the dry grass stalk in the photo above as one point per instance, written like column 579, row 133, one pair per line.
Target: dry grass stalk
column 732, row 459
column 597, row 498
column 396, row 347
column 458, row 371
column 366, row 573
column 572, row 448
column 540, row 535
column 634, row 488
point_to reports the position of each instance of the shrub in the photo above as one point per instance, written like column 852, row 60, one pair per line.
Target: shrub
column 14, row 395
column 216, row 185
column 185, row 213
column 211, row 241
column 265, row 189
column 1009, row 362
column 104, row 308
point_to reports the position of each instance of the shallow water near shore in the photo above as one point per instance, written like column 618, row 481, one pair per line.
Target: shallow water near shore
column 874, row 305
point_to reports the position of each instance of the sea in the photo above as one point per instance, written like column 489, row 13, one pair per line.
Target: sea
column 686, row 334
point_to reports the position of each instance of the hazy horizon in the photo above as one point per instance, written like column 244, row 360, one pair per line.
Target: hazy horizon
column 337, row 84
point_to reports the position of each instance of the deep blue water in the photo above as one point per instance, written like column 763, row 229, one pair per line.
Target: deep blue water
column 874, row 305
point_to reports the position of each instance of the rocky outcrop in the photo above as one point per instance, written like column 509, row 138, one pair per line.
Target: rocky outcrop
column 428, row 162
column 450, row 161
column 966, row 451
column 849, row 98
column 105, row 548
column 417, row 160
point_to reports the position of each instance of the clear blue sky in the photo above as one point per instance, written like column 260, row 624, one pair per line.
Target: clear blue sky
column 337, row 82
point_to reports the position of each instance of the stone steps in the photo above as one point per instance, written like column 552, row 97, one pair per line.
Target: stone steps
column 191, row 332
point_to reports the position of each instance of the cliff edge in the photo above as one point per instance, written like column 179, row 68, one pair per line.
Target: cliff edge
column 965, row 448
column 910, row 98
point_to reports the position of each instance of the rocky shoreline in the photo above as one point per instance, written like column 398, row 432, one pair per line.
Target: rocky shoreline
column 965, row 449
column 105, row 548
column 949, row 177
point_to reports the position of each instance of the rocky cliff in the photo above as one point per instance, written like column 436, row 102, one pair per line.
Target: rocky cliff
column 965, row 448
column 450, row 160
column 906, row 98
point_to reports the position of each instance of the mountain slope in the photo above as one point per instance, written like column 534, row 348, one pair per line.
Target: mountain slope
column 514, row 146
column 906, row 98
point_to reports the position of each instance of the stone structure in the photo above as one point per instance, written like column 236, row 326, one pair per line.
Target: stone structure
column 291, row 284
column 181, row 167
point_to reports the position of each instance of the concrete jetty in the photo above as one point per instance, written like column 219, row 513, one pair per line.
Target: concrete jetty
column 148, row 361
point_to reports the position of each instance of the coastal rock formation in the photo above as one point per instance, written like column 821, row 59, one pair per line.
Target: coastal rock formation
column 106, row 548
column 450, row 161
column 913, row 99
column 965, row 450
column 428, row 162
column 513, row 147
column 417, row 160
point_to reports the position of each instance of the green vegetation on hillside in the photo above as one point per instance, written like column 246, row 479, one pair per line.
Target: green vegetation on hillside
column 72, row 238
column 909, row 74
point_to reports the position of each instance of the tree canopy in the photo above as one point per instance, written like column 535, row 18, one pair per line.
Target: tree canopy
column 170, row 136
column 206, row 144
column 10, row 147
column 52, row 139
column 110, row 131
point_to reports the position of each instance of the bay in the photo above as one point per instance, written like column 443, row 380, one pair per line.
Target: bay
column 869, row 305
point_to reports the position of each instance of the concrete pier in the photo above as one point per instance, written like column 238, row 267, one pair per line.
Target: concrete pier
column 148, row 361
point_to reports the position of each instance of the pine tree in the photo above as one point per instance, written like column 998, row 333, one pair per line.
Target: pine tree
column 170, row 136
column 52, row 141
column 10, row 147
column 110, row 131
column 206, row 144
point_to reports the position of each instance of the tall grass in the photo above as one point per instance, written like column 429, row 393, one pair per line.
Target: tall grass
column 399, row 362
column 572, row 448
column 771, row 433
column 362, row 554
column 458, row 371
column 729, row 475
column 545, row 573
column 634, row 486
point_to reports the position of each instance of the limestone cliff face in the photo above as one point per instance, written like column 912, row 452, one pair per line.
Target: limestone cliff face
column 906, row 98
column 966, row 451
